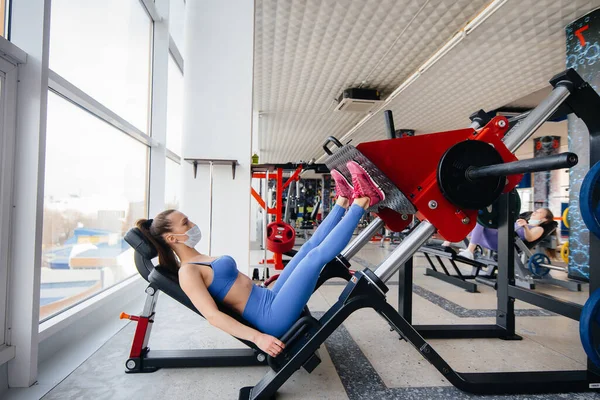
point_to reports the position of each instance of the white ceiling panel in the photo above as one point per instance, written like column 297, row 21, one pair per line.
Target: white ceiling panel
column 308, row 51
column 512, row 54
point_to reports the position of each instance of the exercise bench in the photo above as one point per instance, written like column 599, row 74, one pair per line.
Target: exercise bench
column 142, row 359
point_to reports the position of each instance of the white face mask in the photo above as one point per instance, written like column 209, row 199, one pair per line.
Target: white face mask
column 194, row 235
column 534, row 221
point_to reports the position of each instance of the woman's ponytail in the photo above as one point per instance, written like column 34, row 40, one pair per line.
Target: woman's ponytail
column 153, row 229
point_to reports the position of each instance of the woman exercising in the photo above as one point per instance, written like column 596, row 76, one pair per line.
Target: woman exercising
column 540, row 224
column 207, row 279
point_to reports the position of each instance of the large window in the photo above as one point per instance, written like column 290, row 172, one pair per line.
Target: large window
column 172, row 184
column 95, row 189
column 104, row 48
column 174, row 107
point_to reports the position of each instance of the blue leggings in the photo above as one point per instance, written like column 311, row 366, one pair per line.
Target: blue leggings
column 274, row 311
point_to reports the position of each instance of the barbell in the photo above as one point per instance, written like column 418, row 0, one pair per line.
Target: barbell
column 539, row 265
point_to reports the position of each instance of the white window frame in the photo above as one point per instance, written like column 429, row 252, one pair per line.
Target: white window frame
column 178, row 58
column 174, row 50
column 10, row 58
column 72, row 93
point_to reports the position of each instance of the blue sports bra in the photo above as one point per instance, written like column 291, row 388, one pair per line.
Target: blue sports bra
column 225, row 273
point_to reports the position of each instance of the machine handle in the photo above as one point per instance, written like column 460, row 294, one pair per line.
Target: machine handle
column 558, row 161
column 127, row 316
column 389, row 124
column 331, row 139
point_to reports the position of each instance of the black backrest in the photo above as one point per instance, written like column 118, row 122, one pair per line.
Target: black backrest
column 144, row 252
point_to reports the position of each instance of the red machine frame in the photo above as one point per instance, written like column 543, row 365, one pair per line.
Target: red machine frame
column 277, row 259
column 395, row 157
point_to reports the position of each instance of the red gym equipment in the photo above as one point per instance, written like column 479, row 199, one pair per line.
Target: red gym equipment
column 395, row 157
column 281, row 237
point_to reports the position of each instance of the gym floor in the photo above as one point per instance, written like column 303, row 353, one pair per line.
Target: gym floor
column 362, row 360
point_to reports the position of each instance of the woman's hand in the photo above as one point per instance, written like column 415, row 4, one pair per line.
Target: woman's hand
column 521, row 222
column 269, row 344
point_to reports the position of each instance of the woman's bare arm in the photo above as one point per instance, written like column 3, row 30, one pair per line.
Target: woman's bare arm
column 533, row 234
column 194, row 287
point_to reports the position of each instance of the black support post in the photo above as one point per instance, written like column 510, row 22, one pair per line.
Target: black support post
column 405, row 283
column 389, row 124
column 505, row 316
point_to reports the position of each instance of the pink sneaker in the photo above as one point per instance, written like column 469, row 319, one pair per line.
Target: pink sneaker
column 342, row 186
column 364, row 186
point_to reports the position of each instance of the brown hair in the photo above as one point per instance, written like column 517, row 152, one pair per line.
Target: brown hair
column 153, row 229
column 550, row 220
column 549, row 215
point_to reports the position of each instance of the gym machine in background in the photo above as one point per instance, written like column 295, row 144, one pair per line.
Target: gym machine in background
column 441, row 187
column 278, row 235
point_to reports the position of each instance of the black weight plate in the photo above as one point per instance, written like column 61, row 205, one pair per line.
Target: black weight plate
column 462, row 191
column 588, row 323
column 589, row 199
column 534, row 264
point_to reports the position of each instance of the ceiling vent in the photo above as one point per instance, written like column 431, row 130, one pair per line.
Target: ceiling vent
column 358, row 100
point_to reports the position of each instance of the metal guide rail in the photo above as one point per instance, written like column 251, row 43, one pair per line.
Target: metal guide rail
column 367, row 288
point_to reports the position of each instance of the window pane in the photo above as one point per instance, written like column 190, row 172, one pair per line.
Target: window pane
column 176, row 19
column 95, row 190
column 4, row 210
column 103, row 48
column 172, row 184
column 174, row 107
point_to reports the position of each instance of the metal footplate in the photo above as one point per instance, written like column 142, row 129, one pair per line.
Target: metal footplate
column 394, row 198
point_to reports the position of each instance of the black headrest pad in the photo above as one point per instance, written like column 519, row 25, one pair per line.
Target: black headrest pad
column 552, row 226
column 136, row 239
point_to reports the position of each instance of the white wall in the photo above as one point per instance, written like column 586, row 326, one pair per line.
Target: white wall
column 217, row 115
